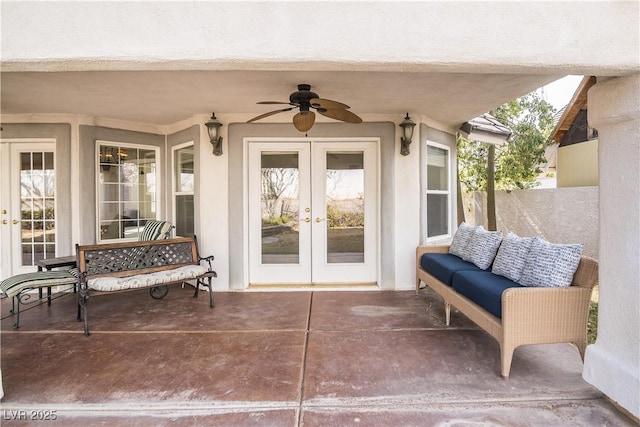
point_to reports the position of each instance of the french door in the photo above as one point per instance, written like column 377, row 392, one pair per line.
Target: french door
column 313, row 212
column 27, row 211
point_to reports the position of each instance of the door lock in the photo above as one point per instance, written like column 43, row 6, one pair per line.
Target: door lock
column 4, row 211
column 4, row 221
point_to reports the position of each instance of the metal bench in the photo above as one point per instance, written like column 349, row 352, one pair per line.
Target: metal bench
column 156, row 264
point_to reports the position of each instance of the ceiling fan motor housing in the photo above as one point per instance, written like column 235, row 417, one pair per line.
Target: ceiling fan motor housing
column 302, row 96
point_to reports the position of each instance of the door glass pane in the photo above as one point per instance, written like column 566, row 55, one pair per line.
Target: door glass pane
column 344, row 200
column 280, row 195
column 37, row 202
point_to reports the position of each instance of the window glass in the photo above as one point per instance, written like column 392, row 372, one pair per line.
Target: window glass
column 437, row 192
column 127, row 190
column 183, row 182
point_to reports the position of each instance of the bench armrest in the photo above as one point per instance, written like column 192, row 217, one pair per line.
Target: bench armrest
column 208, row 259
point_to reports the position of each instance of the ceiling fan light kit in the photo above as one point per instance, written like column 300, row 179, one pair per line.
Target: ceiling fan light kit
column 306, row 101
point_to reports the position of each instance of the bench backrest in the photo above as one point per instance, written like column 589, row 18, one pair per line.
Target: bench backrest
column 130, row 258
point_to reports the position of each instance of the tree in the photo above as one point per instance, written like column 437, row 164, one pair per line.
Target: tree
column 517, row 162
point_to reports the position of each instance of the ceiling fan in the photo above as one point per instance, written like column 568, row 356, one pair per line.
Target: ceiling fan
column 307, row 101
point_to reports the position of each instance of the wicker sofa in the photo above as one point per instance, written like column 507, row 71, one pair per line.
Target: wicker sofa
column 528, row 315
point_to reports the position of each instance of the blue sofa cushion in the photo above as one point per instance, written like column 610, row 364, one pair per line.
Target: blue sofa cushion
column 442, row 266
column 484, row 288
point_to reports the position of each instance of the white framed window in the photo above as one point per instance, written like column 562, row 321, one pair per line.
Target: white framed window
column 127, row 189
column 437, row 192
column 182, row 189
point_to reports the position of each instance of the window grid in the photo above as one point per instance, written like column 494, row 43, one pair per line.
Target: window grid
column 126, row 189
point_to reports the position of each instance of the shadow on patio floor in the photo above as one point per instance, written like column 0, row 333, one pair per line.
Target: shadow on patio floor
column 281, row 359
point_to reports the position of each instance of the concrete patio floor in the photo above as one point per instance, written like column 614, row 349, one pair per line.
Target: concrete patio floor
column 303, row 358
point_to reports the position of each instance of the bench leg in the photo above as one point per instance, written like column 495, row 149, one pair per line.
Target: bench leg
column 16, row 311
column 208, row 285
column 82, row 305
column 417, row 286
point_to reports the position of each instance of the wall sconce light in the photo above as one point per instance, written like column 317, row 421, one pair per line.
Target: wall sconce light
column 213, row 127
column 407, row 126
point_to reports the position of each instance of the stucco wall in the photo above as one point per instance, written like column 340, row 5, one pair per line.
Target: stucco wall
column 558, row 215
column 612, row 363
column 405, row 36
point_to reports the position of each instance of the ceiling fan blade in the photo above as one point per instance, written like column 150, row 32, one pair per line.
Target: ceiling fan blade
column 342, row 115
column 270, row 113
column 304, row 122
column 274, row 102
column 327, row 104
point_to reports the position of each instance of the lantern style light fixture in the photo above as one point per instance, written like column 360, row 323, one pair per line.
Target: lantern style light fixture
column 213, row 127
column 407, row 126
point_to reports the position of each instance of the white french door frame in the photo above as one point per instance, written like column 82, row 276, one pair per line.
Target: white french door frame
column 372, row 165
column 10, row 234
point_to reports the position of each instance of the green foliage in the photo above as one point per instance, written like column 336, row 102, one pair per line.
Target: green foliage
column 517, row 161
column 277, row 220
column 592, row 325
column 342, row 219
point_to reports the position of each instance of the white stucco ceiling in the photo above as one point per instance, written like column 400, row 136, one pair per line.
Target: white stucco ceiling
column 166, row 97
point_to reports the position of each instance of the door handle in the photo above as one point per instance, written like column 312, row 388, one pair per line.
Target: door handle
column 4, row 221
column 306, row 220
column 14, row 222
column 319, row 219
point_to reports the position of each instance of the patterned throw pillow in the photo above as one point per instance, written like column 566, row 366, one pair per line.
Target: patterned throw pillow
column 154, row 230
column 483, row 246
column 461, row 240
column 512, row 256
column 550, row 265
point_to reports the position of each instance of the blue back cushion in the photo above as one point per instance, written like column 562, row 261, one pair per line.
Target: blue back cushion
column 442, row 266
column 484, row 288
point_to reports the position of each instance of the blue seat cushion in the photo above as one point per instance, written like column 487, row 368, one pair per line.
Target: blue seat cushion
column 443, row 266
column 484, row 288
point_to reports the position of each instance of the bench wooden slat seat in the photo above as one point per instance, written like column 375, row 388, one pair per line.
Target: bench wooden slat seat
column 126, row 266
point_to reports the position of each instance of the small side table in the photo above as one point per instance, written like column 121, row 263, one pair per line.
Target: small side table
column 51, row 263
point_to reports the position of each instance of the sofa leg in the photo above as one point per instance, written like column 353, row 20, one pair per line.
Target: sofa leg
column 447, row 313
column 505, row 360
column 417, row 286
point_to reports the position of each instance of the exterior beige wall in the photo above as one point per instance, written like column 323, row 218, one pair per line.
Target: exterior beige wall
column 400, row 36
column 577, row 164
